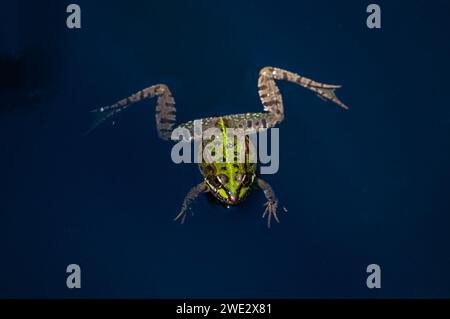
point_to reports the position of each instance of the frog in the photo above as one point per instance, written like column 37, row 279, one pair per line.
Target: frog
column 229, row 180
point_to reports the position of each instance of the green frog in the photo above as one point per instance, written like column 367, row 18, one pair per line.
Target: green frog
column 229, row 179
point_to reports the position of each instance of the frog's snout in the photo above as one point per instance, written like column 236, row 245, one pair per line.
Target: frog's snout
column 234, row 199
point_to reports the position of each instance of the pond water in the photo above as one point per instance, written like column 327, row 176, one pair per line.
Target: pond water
column 365, row 186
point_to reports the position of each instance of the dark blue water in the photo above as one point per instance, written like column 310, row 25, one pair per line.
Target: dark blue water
column 369, row 185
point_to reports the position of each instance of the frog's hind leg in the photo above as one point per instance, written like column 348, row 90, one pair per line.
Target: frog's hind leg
column 191, row 196
column 271, row 97
column 272, row 100
column 165, row 108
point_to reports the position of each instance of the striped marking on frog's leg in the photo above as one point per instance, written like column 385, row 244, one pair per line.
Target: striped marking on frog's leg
column 165, row 108
column 271, row 97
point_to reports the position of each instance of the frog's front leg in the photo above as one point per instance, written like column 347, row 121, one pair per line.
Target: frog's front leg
column 272, row 201
column 189, row 198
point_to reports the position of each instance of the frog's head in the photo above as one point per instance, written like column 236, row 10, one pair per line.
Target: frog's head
column 230, row 186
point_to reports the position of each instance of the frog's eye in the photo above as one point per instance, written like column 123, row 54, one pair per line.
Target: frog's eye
column 247, row 180
column 239, row 177
column 223, row 178
column 214, row 182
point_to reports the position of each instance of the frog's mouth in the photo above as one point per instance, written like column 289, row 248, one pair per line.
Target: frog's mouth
column 231, row 200
column 224, row 195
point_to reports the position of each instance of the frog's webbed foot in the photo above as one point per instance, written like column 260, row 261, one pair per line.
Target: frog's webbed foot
column 165, row 108
column 190, row 197
column 272, row 201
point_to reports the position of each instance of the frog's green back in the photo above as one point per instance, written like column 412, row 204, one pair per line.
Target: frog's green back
column 230, row 176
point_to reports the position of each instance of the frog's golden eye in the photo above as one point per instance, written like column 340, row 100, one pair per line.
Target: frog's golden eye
column 223, row 178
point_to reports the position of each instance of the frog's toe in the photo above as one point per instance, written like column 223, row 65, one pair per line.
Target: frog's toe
column 271, row 211
column 181, row 217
